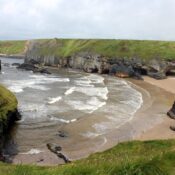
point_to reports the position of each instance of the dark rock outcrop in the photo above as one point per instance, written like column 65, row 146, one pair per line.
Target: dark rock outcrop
column 172, row 128
column 34, row 68
column 54, row 147
column 97, row 63
column 62, row 134
column 16, row 64
column 27, row 66
column 56, row 150
column 171, row 112
column 5, row 127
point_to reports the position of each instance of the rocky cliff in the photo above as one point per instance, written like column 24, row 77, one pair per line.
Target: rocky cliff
column 120, row 57
column 8, row 114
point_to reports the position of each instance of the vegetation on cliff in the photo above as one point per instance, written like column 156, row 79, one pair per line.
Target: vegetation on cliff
column 12, row 47
column 130, row 158
column 8, row 102
column 8, row 114
column 109, row 48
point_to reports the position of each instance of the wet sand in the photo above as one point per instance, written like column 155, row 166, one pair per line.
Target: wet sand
column 162, row 131
column 149, row 122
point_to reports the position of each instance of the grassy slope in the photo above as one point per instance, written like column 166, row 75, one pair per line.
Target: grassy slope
column 130, row 158
column 8, row 102
column 12, row 47
column 110, row 48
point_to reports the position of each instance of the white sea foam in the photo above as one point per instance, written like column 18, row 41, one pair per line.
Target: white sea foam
column 19, row 85
column 83, row 82
column 102, row 127
column 62, row 120
column 49, row 79
column 88, row 106
column 15, row 89
column 96, row 79
column 54, row 100
column 33, row 111
column 33, row 151
column 35, row 82
column 90, row 80
column 101, row 92
column 70, row 91
column 90, row 134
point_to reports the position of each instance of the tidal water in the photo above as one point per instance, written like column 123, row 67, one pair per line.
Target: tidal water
column 47, row 102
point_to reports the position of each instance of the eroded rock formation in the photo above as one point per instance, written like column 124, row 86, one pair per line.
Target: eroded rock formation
column 97, row 63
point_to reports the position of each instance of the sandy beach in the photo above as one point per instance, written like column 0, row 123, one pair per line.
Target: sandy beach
column 162, row 131
column 149, row 122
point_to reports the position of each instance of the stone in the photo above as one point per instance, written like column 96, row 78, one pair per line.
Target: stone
column 6, row 64
column 157, row 75
column 172, row 128
column 171, row 112
column 35, row 69
column 54, row 147
column 27, row 66
column 62, row 134
column 16, row 64
column 62, row 156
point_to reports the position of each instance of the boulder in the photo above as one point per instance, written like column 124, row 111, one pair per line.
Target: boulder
column 41, row 70
column 35, row 69
column 172, row 128
column 62, row 134
column 32, row 61
column 121, row 69
column 54, row 147
column 124, row 71
column 157, row 75
column 62, row 156
column 6, row 64
column 16, row 64
column 158, row 68
column 26, row 66
column 56, row 150
column 171, row 112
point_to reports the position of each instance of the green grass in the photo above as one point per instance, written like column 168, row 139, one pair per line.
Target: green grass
column 145, row 50
column 130, row 158
column 8, row 102
column 12, row 47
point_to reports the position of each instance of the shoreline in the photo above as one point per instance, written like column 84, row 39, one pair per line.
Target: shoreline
column 12, row 56
column 168, row 86
column 135, row 129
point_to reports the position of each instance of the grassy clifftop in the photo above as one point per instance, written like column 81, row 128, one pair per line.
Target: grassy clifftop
column 12, row 47
column 110, row 48
column 131, row 158
column 8, row 102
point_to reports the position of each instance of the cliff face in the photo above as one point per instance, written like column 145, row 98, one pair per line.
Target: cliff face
column 8, row 114
column 105, row 56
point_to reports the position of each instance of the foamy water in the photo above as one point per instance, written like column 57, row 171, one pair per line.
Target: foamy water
column 49, row 101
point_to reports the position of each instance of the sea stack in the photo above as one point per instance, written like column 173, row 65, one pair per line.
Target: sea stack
column 171, row 112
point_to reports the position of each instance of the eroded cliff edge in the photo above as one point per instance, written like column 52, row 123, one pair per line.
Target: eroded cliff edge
column 124, row 58
column 8, row 115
